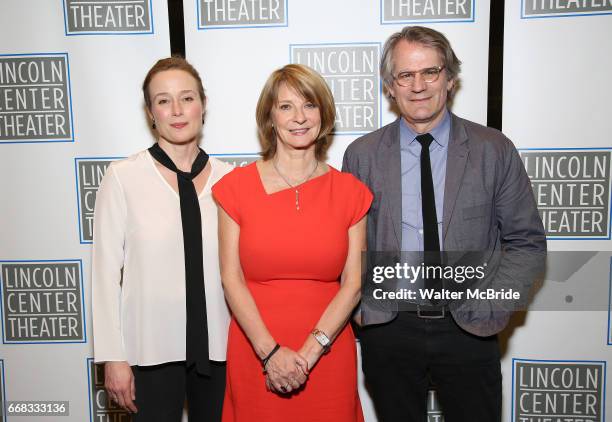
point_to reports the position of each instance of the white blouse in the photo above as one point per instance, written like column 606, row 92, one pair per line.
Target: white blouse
column 140, row 317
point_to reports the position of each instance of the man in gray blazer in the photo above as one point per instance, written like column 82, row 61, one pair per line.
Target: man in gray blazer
column 441, row 183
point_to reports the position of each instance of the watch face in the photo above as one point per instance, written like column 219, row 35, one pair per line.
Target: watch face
column 321, row 338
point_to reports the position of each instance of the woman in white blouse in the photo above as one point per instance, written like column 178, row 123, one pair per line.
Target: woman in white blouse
column 147, row 320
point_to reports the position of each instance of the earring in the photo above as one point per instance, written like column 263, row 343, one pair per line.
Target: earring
column 202, row 119
column 153, row 126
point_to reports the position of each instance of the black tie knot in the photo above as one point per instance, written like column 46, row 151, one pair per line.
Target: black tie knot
column 425, row 140
column 185, row 175
column 198, row 164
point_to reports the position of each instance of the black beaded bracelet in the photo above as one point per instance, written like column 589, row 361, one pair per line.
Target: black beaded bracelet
column 265, row 360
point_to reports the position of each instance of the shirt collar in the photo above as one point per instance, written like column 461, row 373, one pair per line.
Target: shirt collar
column 440, row 133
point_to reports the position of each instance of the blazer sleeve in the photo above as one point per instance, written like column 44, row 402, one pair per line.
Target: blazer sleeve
column 521, row 232
column 107, row 263
column 521, row 227
column 523, row 249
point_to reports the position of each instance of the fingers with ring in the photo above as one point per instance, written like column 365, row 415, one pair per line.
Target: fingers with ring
column 285, row 388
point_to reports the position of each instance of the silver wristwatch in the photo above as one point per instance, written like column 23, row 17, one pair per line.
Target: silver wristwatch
column 322, row 338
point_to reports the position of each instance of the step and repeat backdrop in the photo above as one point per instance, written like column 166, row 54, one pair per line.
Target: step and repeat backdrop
column 70, row 103
column 556, row 108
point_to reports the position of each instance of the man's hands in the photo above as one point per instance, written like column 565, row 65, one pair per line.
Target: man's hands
column 119, row 383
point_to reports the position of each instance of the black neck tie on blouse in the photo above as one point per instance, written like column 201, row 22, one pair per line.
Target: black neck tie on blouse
column 431, row 240
column 197, row 327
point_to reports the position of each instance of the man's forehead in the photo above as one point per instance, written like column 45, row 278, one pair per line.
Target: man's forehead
column 403, row 46
column 416, row 52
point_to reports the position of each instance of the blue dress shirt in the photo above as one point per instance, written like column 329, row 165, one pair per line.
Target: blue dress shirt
column 410, row 150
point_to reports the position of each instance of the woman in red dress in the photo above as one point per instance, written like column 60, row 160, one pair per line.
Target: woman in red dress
column 291, row 233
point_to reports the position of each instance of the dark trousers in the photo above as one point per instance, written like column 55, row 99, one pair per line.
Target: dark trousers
column 161, row 392
column 401, row 359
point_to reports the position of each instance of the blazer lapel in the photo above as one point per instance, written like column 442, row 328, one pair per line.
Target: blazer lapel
column 458, row 152
column 390, row 164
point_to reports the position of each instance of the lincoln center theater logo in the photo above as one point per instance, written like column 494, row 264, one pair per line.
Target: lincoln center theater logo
column 2, row 395
column 404, row 11
column 572, row 191
column 35, row 102
column 101, row 407
column 558, row 391
column 351, row 71
column 241, row 13
column 610, row 306
column 557, row 8
column 89, row 173
column 237, row 160
column 42, row 301
column 434, row 413
column 107, row 17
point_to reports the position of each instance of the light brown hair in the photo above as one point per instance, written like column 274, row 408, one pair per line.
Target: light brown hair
column 310, row 85
column 171, row 63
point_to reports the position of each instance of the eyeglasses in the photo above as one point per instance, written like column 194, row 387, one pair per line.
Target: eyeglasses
column 429, row 75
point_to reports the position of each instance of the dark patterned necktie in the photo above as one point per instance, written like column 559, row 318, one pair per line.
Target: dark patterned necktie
column 195, row 295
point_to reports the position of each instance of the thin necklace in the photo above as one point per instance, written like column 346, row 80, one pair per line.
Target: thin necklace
column 297, row 192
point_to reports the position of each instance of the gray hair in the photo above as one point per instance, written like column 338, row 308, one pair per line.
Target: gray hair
column 427, row 37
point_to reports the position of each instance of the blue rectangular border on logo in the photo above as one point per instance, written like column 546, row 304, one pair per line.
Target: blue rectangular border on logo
column 609, row 333
column 90, row 386
column 83, row 309
column 559, row 15
column 604, row 378
column 70, row 34
column 466, row 20
column 78, row 194
column 68, row 88
column 237, row 154
column 380, row 84
column 89, row 381
column 609, row 236
column 262, row 25
column 3, row 409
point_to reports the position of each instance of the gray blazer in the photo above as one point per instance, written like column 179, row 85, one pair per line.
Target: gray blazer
column 488, row 206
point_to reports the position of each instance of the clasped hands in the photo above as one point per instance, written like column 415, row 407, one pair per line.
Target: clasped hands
column 287, row 370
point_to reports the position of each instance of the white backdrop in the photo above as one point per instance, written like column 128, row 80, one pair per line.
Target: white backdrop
column 39, row 212
column 235, row 61
column 556, row 110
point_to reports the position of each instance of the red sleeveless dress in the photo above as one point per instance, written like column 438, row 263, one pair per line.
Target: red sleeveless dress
column 292, row 261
